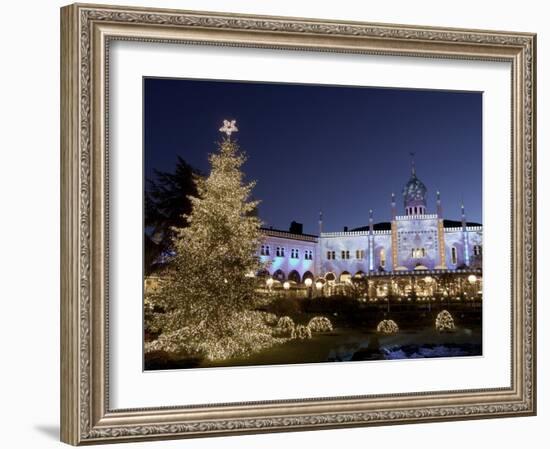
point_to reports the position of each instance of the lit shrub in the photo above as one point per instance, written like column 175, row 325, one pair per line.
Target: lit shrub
column 285, row 327
column 301, row 332
column 387, row 327
column 270, row 318
column 285, row 323
column 444, row 322
column 320, row 324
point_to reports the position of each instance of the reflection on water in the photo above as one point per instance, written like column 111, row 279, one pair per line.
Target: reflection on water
column 427, row 344
column 352, row 344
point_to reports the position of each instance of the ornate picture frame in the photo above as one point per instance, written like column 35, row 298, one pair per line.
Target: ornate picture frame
column 86, row 34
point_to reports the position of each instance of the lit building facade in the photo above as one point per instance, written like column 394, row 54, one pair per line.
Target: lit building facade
column 415, row 242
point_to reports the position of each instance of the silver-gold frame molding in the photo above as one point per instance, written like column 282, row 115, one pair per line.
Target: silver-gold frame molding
column 86, row 31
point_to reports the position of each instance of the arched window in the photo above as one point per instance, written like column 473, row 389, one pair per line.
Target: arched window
column 294, row 276
column 453, row 255
column 477, row 250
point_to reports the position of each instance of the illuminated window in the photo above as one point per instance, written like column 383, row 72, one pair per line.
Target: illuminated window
column 477, row 250
column 383, row 258
column 453, row 255
column 359, row 254
column 418, row 253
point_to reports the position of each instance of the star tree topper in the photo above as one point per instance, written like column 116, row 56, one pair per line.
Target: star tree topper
column 229, row 127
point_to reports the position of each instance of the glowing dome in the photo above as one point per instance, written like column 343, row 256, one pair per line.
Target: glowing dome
column 414, row 196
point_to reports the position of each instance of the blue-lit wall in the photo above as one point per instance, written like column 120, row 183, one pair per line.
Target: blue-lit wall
column 344, row 241
column 417, row 232
column 287, row 264
column 464, row 247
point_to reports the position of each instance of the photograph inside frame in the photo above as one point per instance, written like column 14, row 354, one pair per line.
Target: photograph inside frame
column 303, row 223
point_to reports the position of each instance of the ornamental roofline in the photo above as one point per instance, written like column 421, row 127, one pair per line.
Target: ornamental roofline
column 468, row 228
column 416, row 217
column 289, row 235
column 354, row 233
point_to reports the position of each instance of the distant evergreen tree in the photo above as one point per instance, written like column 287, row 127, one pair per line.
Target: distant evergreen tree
column 166, row 206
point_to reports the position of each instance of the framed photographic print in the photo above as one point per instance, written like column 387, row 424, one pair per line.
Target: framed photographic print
column 275, row 223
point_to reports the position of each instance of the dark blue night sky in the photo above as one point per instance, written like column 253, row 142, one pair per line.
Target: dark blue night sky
column 342, row 150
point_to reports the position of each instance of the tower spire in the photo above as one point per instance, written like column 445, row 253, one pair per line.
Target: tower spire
column 393, row 209
column 320, row 222
column 413, row 167
column 438, row 204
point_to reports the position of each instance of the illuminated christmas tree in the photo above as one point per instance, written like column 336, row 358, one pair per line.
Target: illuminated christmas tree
column 211, row 292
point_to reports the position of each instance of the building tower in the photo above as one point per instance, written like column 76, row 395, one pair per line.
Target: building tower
column 414, row 194
column 371, row 241
column 440, row 234
column 393, row 233
column 465, row 242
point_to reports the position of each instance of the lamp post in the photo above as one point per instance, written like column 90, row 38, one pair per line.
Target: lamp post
column 319, row 287
column 269, row 284
column 428, row 280
column 472, row 279
column 308, row 283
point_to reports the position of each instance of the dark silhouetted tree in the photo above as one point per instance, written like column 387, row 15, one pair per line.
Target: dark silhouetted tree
column 167, row 203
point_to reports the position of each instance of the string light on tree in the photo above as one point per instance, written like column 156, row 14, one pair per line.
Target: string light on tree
column 214, row 317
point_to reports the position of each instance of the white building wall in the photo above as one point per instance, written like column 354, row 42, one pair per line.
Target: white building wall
column 417, row 232
column 382, row 242
column 344, row 241
column 454, row 237
column 288, row 264
column 421, row 233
